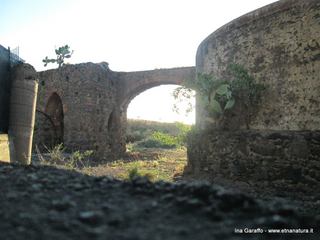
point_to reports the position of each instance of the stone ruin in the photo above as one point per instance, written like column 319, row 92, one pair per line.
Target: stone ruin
column 84, row 106
column 280, row 46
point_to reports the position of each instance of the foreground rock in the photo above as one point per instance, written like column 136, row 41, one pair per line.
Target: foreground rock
column 50, row 203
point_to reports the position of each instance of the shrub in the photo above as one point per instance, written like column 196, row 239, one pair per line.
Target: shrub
column 165, row 139
column 183, row 133
column 62, row 53
column 220, row 96
column 56, row 154
column 149, row 143
column 160, row 140
column 135, row 173
column 134, row 136
column 149, row 134
column 79, row 159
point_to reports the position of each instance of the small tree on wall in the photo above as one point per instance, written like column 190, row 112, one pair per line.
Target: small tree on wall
column 62, row 53
column 220, row 97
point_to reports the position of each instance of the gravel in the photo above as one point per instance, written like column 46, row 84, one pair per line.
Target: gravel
column 41, row 202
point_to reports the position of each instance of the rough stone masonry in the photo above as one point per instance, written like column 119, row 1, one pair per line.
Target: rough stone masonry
column 84, row 106
column 280, row 46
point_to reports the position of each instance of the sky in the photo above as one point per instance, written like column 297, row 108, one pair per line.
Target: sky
column 131, row 35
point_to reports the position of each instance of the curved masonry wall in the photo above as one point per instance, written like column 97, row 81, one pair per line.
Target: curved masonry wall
column 280, row 46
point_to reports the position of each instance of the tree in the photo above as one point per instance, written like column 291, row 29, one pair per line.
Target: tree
column 62, row 53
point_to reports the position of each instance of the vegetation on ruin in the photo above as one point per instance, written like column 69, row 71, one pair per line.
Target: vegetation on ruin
column 57, row 156
column 219, row 96
column 62, row 53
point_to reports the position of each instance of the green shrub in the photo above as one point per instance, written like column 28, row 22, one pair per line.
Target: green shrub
column 150, row 134
column 165, row 139
column 134, row 136
column 142, row 129
column 149, row 143
column 159, row 140
column 79, row 159
column 183, row 133
column 220, row 96
column 134, row 173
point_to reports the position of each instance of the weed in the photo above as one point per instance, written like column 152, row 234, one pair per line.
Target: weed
column 56, row 154
column 58, row 157
column 79, row 159
column 133, row 173
column 160, row 164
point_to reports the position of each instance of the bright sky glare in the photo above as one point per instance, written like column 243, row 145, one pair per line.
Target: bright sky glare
column 130, row 35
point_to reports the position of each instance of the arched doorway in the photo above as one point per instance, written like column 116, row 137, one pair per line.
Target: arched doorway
column 49, row 123
column 156, row 104
column 152, row 111
column 155, row 135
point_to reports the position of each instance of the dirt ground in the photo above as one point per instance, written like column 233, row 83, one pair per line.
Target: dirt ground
column 41, row 202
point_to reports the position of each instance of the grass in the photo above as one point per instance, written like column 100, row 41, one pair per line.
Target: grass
column 155, row 164
column 154, row 150
column 58, row 157
column 156, row 134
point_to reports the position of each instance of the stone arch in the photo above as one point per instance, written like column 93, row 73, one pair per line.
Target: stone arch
column 150, row 109
column 53, row 133
column 140, row 89
column 131, row 84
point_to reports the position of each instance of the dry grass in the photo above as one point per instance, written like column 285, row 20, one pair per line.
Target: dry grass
column 156, row 164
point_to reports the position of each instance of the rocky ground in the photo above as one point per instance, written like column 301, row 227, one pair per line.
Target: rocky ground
column 41, row 202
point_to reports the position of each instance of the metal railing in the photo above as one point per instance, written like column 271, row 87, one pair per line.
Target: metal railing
column 8, row 59
column 14, row 57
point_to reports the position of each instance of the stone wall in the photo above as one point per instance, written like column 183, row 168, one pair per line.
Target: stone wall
column 87, row 95
column 84, row 106
column 281, row 158
column 279, row 45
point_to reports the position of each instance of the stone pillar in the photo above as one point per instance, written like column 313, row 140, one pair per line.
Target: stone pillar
column 24, row 90
column 117, row 133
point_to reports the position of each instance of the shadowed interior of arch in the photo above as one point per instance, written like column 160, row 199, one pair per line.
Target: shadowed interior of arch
column 55, row 127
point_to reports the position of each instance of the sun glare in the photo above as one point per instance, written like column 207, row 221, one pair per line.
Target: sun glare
column 157, row 104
